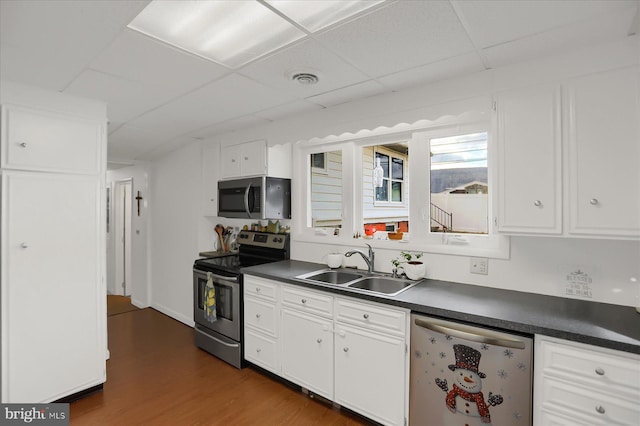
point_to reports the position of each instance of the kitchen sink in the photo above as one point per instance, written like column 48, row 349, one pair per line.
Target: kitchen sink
column 332, row 276
column 384, row 285
column 359, row 281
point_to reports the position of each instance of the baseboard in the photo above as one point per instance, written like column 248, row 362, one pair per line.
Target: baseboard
column 173, row 314
column 138, row 304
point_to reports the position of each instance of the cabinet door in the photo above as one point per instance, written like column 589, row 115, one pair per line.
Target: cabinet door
column 37, row 140
column 370, row 373
column 230, row 161
column 253, row 158
column 52, row 297
column 307, row 351
column 604, row 153
column 210, row 175
column 529, row 161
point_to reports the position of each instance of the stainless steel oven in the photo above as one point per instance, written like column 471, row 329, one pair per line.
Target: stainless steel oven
column 222, row 334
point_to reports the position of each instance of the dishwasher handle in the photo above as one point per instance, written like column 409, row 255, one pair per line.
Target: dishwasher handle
column 473, row 334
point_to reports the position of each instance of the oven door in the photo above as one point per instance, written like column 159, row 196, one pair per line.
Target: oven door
column 228, row 321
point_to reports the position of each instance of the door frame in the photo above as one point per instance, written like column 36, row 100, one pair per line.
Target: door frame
column 122, row 199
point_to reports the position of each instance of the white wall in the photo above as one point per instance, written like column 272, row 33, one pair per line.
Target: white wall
column 175, row 228
column 139, row 237
column 536, row 264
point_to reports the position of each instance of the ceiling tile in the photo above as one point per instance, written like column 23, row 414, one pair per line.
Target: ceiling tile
column 402, row 35
column 126, row 99
column 441, row 70
column 48, row 43
column 584, row 33
column 229, row 97
column 346, row 94
column 129, row 142
column 140, row 58
column 496, row 21
column 291, row 108
column 308, row 56
column 228, row 126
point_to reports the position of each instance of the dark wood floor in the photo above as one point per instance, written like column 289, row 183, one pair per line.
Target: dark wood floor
column 156, row 376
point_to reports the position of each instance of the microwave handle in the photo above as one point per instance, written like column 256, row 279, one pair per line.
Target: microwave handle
column 246, row 200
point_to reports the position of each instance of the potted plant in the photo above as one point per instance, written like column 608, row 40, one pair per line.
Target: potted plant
column 411, row 264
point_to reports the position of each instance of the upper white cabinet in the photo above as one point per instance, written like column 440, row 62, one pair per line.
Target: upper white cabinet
column 48, row 141
column 571, row 167
column 604, row 153
column 210, row 175
column 245, row 159
column 529, row 160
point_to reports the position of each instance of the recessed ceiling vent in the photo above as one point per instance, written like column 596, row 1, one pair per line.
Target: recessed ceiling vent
column 305, row 78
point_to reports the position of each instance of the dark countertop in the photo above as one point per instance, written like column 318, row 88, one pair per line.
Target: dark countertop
column 600, row 324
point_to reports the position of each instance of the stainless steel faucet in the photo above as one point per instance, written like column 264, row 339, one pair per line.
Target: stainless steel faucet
column 368, row 259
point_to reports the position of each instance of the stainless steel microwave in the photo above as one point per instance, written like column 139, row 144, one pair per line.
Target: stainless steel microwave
column 261, row 197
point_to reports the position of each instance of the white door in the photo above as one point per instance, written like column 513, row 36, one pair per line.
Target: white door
column 52, row 298
column 122, row 215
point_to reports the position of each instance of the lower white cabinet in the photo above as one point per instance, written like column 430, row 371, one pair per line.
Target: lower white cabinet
column 579, row 384
column 370, row 373
column 346, row 350
column 307, row 351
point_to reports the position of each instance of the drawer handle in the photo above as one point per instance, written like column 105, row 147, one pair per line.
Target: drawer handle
column 23, row 144
column 258, row 316
column 599, row 371
column 366, row 316
column 537, row 203
column 600, row 409
column 304, row 301
column 319, row 340
column 594, row 201
column 24, row 245
column 345, row 349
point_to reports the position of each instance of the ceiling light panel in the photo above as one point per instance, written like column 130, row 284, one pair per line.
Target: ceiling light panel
column 314, row 15
column 231, row 33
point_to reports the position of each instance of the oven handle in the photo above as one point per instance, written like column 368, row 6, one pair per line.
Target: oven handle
column 220, row 277
column 246, row 200
column 229, row 345
column 463, row 332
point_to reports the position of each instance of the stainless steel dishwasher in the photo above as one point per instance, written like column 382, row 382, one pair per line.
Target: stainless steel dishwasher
column 464, row 375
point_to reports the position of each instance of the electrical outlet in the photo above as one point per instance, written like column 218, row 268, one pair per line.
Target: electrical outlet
column 479, row 265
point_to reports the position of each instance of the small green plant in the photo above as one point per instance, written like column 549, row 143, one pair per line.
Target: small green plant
column 405, row 257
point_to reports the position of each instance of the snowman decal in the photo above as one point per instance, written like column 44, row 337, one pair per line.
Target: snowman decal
column 466, row 398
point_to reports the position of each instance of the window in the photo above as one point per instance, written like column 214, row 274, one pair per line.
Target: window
column 318, row 162
column 459, row 184
column 423, row 176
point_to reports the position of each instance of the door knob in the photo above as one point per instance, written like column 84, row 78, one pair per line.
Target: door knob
column 345, row 349
column 24, row 245
column 319, row 340
column 23, row 144
column 594, row 201
column 537, row 203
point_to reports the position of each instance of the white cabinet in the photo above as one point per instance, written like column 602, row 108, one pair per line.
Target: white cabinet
column 370, row 370
column 210, row 176
column 604, row 153
column 529, row 161
column 346, row 350
column 307, row 351
column 53, row 290
column 245, row 159
column 580, row 384
column 47, row 141
column 583, row 183
column 261, row 315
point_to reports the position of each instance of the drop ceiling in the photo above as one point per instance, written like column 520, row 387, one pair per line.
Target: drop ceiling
column 160, row 97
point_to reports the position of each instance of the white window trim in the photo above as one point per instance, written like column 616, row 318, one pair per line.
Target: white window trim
column 494, row 245
column 389, row 153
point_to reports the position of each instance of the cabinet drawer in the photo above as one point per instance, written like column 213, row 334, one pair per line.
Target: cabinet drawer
column 38, row 140
column 260, row 315
column 260, row 287
column 605, row 370
column 587, row 402
column 371, row 316
column 308, row 301
column 261, row 350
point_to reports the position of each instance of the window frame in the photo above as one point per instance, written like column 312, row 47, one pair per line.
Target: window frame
column 492, row 245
